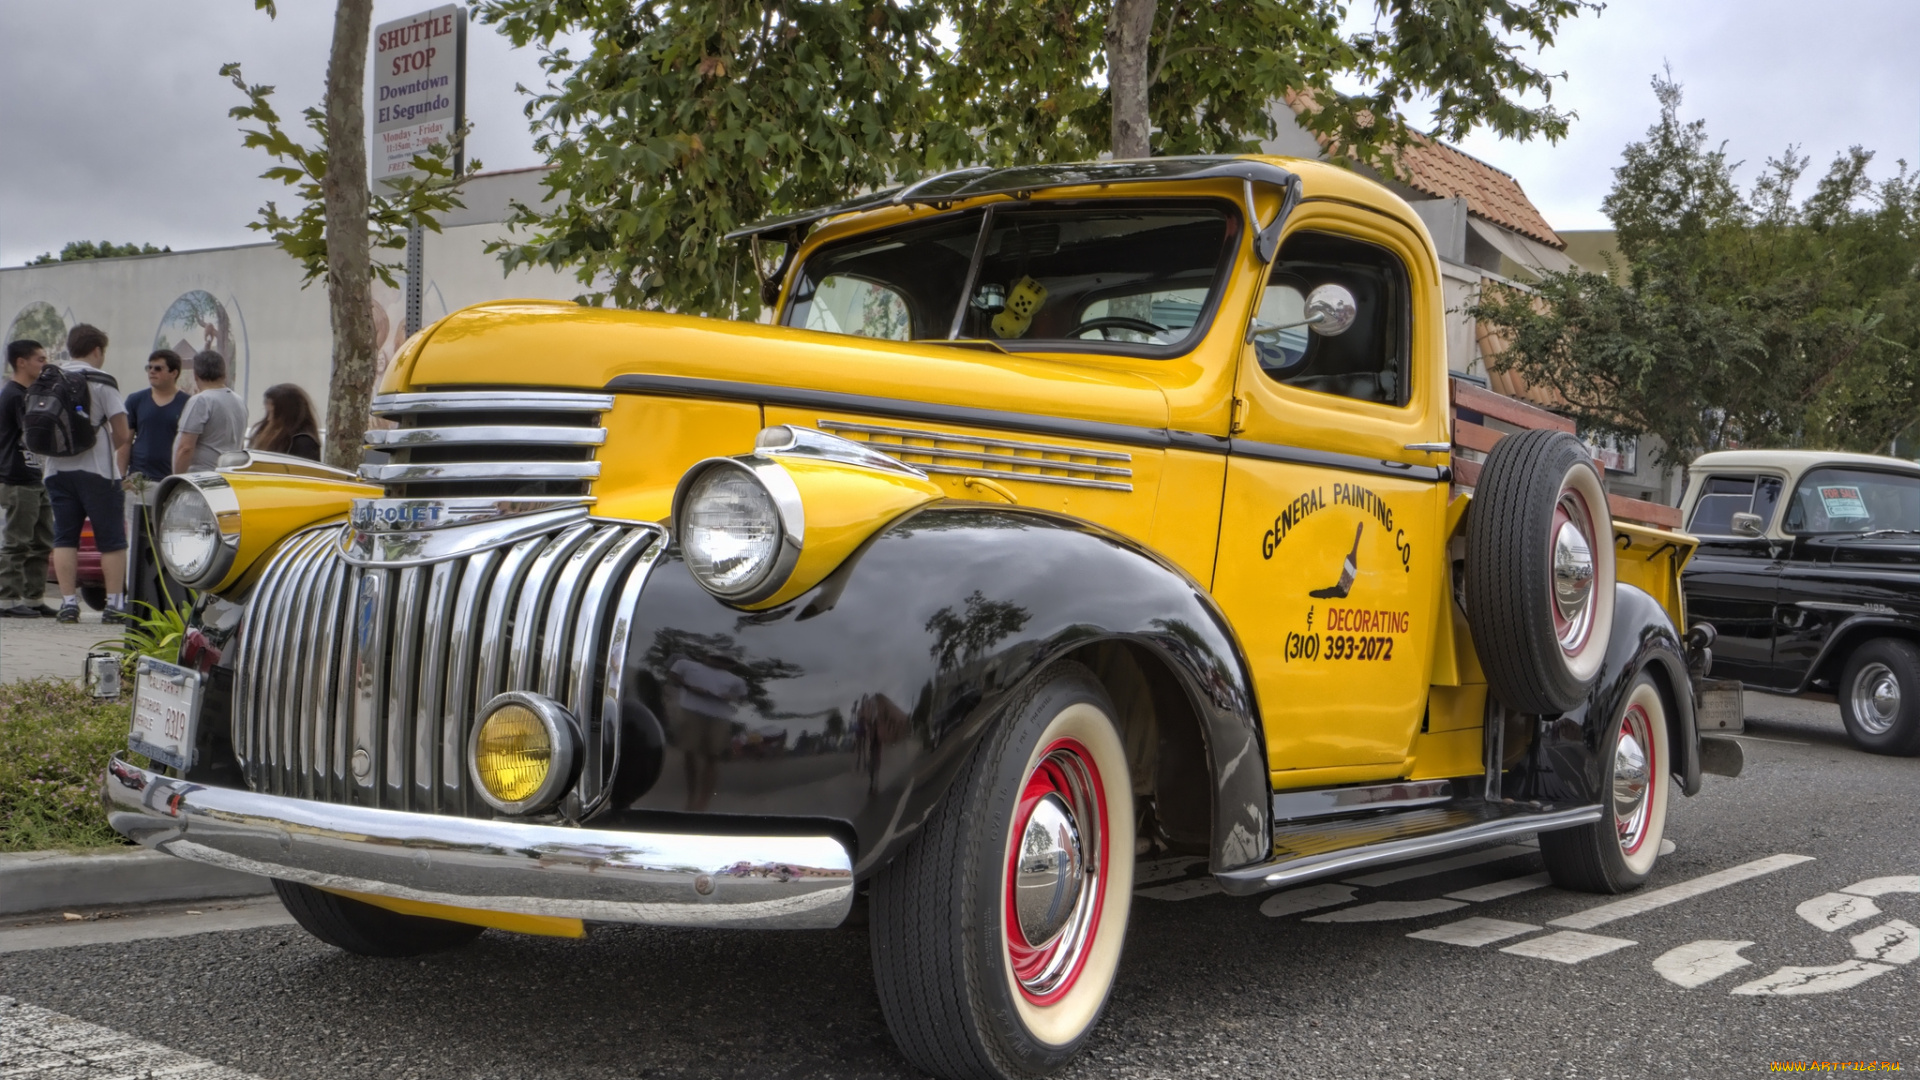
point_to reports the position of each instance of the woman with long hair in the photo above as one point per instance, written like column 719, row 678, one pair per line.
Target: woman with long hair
column 289, row 426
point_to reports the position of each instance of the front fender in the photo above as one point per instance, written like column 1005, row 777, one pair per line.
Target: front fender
column 1567, row 763
column 859, row 700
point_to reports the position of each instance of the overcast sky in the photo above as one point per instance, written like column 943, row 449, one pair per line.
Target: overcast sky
column 113, row 120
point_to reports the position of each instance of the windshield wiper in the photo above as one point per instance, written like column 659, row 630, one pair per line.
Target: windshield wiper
column 1880, row 532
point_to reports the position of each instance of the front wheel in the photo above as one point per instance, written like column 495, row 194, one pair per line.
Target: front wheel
column 357, row 927
column 996, row 934
column 1616, row 853
column 1880, row 697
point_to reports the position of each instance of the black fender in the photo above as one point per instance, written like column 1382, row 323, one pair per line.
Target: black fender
column 1566, row 764
column 857, row 702
column 1851, row 633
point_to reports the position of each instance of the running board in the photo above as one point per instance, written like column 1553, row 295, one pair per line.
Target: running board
column 1322, row 849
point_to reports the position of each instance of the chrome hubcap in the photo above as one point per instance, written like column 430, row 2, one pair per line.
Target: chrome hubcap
column 1876, row 698
column 1633, row 778
column 1051, row 871
column 1055, row 872
column 1573, row 573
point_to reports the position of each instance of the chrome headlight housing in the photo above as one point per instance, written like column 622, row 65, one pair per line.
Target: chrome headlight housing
column 740, row 527
column 198, row 530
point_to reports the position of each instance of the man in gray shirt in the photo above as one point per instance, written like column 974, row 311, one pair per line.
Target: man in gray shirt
column 215, row 419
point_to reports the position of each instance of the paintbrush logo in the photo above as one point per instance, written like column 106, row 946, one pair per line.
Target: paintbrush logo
column 1348, row 570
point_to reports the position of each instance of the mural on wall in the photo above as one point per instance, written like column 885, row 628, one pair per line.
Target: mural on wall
column 197, row 322
column 39, row 322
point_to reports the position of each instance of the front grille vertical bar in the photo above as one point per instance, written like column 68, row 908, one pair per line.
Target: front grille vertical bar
column 319, row 693
column 457, row 713
column 293, row 718
column 254, row 651
column 369, row 675
column 492, row 619
column 600, row 747
column 272, row 715
column 341, row 718
column 403, row 650
column 429, row 682
column 614, row 681
column 563, row 611
column 527, row 624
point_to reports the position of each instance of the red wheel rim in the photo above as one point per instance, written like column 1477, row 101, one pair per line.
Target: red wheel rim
column 1635, row 771
column 1066, row 778
column 1574, row 578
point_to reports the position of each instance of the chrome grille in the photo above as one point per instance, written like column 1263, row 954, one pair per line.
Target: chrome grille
column 359, row 683
column 486, row 443
column 997, row 459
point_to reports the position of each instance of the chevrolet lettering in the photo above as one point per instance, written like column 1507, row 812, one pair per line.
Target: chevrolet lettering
column 1061, row 516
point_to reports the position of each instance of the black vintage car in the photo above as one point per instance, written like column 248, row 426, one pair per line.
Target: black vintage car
column 1809, row 568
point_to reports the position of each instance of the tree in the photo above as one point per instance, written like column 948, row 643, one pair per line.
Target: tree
column 684, row 120
column 1745, row 319
column 105, row 249
column 330, row 179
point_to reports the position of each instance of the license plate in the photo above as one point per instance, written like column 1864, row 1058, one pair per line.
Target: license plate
column 166, row 712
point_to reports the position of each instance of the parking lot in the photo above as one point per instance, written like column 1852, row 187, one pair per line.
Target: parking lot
column 1780, row 928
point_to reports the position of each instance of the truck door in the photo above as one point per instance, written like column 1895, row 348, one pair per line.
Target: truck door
column 1733, row 580
column 1330, row 561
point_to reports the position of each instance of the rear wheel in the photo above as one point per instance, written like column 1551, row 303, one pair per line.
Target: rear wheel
column 1880, row 697
column 996, row 934
column 1616, row 853
column 346, row 923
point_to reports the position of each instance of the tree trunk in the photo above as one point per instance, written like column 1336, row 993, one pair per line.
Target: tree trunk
column 349, row 260
column 1129, row 32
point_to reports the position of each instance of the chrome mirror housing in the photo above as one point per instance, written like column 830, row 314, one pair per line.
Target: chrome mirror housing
column 1747, row 525
column 1330, row 310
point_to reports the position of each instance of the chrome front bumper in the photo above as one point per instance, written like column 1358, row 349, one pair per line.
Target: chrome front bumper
column 658, row 879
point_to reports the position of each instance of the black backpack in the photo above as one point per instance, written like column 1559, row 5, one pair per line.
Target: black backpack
column 58, row 419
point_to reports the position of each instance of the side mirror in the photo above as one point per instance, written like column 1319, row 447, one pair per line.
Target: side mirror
column 1748, row 525
column 1330, row 310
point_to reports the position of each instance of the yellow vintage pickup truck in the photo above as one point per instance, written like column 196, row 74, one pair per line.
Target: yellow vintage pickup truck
column 1063, row 516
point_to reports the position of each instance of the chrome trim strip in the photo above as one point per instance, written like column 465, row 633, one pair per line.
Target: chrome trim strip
column 482, row 470
column 329, row 777
column 1256, row 879
column 264, row 461
column 403, row 647
column 1038, row 478
column 490, row 400
column 588, row 796
column 1851, row 609
column 1328, row 459
column 369, row 676
column 1321, row 802
column 531, row 604
column 563, row 610
column 424, row 515
column 430, row 683
column 462, row 661
column 789, row 440
column 1006, row 444
column 409, row 438
column 652, row 878
column 364, row 548
column 492, row 619
column 938, row 453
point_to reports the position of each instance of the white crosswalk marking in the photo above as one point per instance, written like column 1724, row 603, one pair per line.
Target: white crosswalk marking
column 1387, row 911
column 1474, row 932
column 1441, row 866
column 1673, row 894
column 1895, row 942
column 1797, row 981
column 1494, row 890
column 1698, row 963
column 1311, row 898
column 1568, row 946
column 36, row 1042
column 1881, row 886
column 1831, row 911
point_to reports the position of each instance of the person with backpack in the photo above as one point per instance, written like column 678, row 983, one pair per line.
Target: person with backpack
column 76, row 422
column 28, row 536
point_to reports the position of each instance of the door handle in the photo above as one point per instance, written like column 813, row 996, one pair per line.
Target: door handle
column 1431, row 447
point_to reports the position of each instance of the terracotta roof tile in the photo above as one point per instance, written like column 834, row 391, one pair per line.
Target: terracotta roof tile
column 1437, row 169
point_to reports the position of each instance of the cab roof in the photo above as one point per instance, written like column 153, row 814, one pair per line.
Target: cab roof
column 1794, row 461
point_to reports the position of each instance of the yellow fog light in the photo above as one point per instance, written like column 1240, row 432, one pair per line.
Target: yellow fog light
column 521, row 753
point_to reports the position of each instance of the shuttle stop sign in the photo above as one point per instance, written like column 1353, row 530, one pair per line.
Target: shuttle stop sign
column 419, row 87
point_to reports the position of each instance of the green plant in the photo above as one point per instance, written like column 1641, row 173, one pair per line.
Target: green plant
column 54, row 744
column 157, row 634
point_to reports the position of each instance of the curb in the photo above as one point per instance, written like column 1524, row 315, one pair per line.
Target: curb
column 46, row 880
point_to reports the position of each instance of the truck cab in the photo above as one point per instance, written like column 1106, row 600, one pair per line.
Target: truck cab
column 1059, row 516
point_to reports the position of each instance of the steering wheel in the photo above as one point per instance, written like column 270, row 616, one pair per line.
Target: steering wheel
column 1116, row 322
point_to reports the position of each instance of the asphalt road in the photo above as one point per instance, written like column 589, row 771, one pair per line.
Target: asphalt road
column 1210, row 986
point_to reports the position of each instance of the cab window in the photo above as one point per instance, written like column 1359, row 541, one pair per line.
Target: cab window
column 1721, row 497
column 844, row 304
column 1854, row 501
column 1369, row 361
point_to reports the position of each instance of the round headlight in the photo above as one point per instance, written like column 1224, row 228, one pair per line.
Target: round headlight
column 522, row 752
column 730, row 530
column 189, row 534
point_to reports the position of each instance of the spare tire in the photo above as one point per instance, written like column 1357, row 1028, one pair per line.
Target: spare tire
column 1540, row 577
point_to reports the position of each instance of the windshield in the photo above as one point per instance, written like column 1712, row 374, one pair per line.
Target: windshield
column 1854, row 501
column 1125, row 277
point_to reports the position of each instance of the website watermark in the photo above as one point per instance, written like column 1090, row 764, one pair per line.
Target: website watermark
column 1833, row 1066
